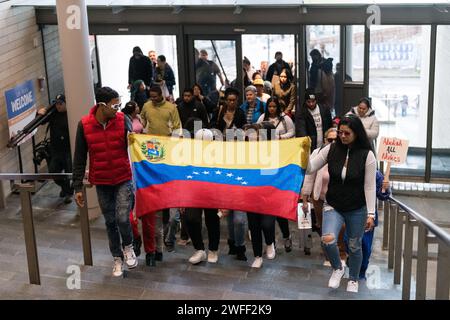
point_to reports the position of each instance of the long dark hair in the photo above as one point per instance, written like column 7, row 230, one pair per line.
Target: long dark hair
column 277, row 102
column 289, row 77
column 361, row 140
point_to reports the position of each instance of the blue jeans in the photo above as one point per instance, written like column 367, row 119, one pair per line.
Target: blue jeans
column 237, row 223
column 355, row 222
column 366, row 246
column 116, row 202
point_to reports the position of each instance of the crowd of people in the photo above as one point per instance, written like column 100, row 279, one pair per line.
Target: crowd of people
column 342, row 182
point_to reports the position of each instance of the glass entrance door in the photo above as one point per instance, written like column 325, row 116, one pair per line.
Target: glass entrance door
column 214, row 64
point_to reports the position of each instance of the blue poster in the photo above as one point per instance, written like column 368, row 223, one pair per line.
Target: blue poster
column 20, row 107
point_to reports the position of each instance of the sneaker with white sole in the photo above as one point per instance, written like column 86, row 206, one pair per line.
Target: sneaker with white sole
column 130, row 257
column 352, row 286
column 117, row 267
column 258, row 262
column 213, row 256
column 198, row 256
column 270, row 251
column 335, row 279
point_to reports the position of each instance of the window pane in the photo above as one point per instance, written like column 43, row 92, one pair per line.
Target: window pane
column 355, row 53
column 323, row 53
column 261, row 49
column 215, row 65
column 399, row 67
column 440, row 165
column 115, row 52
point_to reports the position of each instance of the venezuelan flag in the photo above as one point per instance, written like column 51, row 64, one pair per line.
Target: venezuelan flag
column 259, row 176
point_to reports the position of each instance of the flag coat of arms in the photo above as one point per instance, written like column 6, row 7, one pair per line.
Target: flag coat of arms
column 258, row 176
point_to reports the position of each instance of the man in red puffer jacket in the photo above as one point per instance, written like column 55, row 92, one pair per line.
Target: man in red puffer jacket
column 103, row 134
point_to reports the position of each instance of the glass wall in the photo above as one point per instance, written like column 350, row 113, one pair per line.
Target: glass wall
column 440, row 165
column 115, row 52
column 398, row 86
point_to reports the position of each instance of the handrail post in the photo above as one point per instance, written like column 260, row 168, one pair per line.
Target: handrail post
column 85, row 230
column 398, row 245
column 392, row 228
column 28, row 229
column 407, row 258
column 386, row 210
column 422, row 263
column 443, row 274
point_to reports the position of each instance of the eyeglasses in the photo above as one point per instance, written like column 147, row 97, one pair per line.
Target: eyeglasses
column 344, row 133
column 116, row 106
column 330, row 140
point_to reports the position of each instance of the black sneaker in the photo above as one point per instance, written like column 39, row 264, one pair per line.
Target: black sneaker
column 158, row 256
column 62, row 194
column 150, row 260
column 288, row 244
column 307, row 251
column 67, row 199
column 137, row 243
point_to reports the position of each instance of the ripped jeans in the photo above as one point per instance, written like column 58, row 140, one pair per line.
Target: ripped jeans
column 355, row 222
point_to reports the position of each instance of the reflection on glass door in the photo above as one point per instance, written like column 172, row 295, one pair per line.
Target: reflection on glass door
column 323, row 55
column 215, row 66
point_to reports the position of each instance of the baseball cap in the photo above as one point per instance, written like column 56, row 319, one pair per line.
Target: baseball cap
column 60, row 98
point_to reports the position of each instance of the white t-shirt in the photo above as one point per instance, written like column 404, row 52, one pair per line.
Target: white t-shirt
column 318, row 121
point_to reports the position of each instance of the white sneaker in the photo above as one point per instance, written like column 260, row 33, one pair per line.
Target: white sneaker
column 198, row 256
column 212, row 256
column 117, row 267
column 130, row 257
column 257, row 263
column 335, row 279
column 327, row 263
column 270, row 251
column 352, row 286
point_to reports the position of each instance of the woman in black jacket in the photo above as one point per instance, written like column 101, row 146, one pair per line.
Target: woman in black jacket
column 351, row 194
column 229, row 116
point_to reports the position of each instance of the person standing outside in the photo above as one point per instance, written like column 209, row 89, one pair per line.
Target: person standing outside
column 103, row 134
column 206, row 73
column 61, row 159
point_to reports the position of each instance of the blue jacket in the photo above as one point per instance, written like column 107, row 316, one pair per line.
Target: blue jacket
column 380, row 195
column 259, row 110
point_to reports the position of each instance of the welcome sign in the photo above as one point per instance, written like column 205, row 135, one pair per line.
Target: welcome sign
column 20, row 107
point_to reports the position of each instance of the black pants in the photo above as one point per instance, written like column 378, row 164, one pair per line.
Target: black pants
column 284, row 227
column 194, row 226
column 61, row 161
column 258, row 224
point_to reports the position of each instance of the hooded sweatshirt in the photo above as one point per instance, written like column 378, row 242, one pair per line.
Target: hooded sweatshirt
column 370, row 122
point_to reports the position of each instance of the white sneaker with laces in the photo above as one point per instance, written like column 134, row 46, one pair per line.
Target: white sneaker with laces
column 117, row 267
column 213, row 256
column 257, row 263
column 352, row 286
column 198, row 256
column 130, row 257
column 270, row 251
column 335, row 279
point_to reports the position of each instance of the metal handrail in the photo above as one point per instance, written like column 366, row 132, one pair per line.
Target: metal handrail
column 27, row 218
column 399, row 225
column 34, row 176
column 433, row 228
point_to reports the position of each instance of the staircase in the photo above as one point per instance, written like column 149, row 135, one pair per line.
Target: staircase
column 289, row 276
